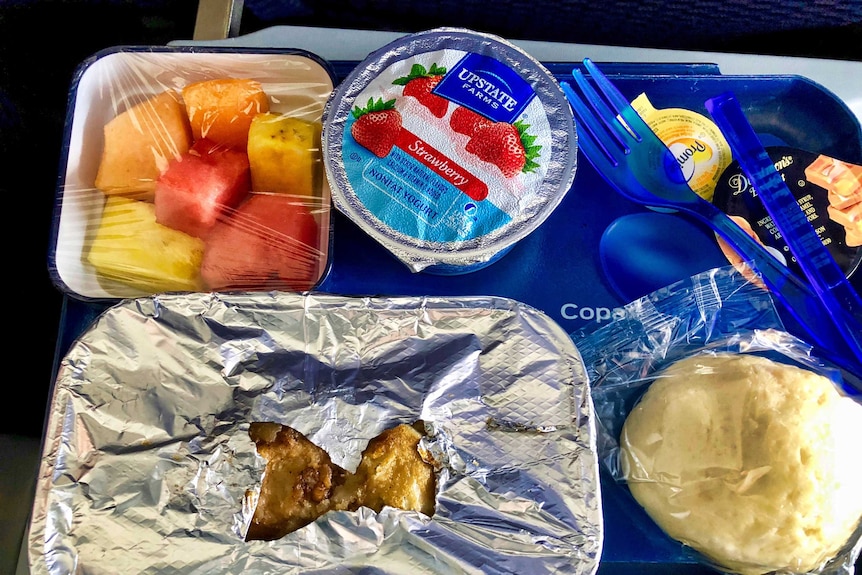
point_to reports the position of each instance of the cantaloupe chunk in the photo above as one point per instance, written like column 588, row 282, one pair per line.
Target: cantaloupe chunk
column 130, row 247
column 284, row 154
column 221, row 110
column 139, row 144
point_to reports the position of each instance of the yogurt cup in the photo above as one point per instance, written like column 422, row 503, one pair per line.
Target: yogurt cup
column 448, row 147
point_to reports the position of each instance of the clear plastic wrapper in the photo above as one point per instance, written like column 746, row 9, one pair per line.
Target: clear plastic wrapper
column 192, row 170
column 147, row 457
column 732, row 434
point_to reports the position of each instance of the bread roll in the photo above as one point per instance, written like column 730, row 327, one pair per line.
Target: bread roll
column 753, row 463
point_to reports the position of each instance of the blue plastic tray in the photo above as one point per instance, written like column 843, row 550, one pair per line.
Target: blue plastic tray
column 597, row 251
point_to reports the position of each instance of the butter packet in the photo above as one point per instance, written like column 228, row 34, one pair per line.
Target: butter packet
column 694, row 140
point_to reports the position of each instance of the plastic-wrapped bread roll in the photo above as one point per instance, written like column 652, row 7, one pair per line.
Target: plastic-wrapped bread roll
column 753, row 463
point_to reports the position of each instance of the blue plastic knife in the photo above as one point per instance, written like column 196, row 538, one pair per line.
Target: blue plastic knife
column 828, row 280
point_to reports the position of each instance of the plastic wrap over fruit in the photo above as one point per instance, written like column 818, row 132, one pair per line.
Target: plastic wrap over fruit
column 449, row 146
column 193, row 170
column 148, row 461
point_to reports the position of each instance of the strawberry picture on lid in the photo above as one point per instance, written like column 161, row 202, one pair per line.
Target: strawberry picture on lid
column 507, row 146
column 419, row 83
column 377, row 126
column 466, row 121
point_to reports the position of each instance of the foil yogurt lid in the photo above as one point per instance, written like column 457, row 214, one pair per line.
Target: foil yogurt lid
column 449, row 146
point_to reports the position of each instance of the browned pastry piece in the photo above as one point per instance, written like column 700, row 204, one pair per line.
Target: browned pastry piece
column 300, row 482
column 297, row 483
column 392, row 473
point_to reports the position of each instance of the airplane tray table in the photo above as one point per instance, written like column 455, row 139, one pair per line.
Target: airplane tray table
column 570, row 266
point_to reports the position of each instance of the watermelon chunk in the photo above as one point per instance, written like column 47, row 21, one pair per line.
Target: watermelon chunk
column 270, row 242
column 197, row 188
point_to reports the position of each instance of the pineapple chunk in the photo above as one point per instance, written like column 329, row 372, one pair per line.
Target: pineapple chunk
column 131, row 248
column 284, row 154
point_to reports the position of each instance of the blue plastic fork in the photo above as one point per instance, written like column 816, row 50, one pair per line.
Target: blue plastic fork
column 634, row 161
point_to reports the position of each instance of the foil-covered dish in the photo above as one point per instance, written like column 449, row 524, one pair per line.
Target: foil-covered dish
column 147, row 461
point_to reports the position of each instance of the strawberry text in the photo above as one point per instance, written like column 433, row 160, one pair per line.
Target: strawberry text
column 441, row 165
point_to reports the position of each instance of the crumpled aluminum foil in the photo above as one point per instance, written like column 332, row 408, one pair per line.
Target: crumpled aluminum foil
column 147, row 457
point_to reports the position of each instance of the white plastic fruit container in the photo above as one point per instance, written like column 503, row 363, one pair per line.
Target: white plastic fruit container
column 128, row 254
